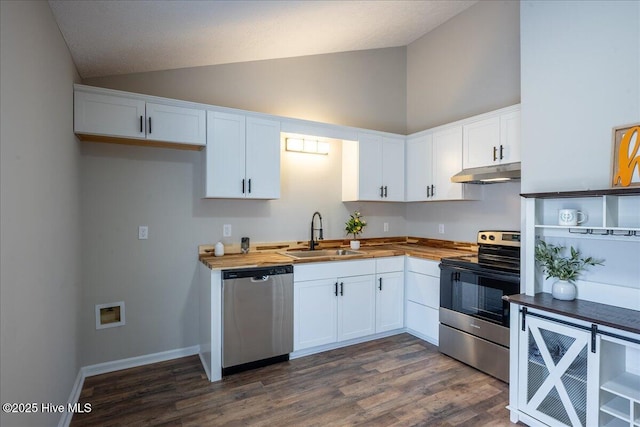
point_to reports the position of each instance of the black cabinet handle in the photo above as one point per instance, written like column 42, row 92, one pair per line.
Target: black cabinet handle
column 149, row 125
column 524, row 320
column 341, row 288
column 594, row 332
column 249, row 185
column 141, row 124
column 380, row 283
column 381, row 193
column 385, row 191
column 433, row 190
column 243, row 186
column 428, row 191
column 336, row 288
column 501, row 152
column 495, row 153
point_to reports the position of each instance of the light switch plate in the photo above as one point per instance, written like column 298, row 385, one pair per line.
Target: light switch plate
column 143, row 232
column 226, row 230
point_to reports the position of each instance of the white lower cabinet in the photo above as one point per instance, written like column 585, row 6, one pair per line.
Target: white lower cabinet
column 619, row 383
column 573, row 373
column 356, row 307
column 389, row 294
column 333, row 309
column 315, row 313
column 558, row 369
column 423, row 298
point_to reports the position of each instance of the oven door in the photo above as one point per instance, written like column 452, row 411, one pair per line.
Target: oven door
column 477, row 293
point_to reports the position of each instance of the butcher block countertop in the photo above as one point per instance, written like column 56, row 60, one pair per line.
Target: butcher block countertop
column 269, row 254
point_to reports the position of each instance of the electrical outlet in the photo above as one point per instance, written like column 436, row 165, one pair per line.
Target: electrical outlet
column 143, row 232
column 385, row 226
column 226, row 230
column 441, row 228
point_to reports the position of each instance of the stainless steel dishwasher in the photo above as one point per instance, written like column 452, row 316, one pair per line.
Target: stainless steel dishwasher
column 257, row 317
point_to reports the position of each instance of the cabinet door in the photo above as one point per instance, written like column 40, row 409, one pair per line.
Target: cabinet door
column 225, row 155
column 315, row 313
column 356, row 307
column 510, row 137
column 370, row 167
column 481, row 143
column 419, row 169
column 555, row 371
column 393, row 169
column 176, row 124
column 447, row 161
column 389, row 301
column 423, row 289
column 117, row 116
column 263, row 158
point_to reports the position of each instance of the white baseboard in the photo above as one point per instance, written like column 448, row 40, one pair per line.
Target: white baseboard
column 118, row 365
column 423, row 337
column 336, row 345
column 132, row 362
column 65, row 420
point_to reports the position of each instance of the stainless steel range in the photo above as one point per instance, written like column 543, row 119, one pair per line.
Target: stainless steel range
column 474, row 319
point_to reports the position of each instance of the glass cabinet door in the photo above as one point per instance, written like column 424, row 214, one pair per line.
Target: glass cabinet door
column 557, row 368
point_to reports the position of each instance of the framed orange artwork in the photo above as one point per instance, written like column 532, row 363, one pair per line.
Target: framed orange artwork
column 626, row 156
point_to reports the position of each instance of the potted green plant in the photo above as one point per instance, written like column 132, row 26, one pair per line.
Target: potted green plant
column 565, row 269
column 355, row 225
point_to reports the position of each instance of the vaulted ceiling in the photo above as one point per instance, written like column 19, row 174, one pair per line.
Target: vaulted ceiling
column 120, row 37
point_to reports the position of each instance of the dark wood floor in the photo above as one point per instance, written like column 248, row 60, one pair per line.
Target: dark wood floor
column 395, row 381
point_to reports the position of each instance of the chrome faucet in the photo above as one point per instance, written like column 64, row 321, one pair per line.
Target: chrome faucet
column 313, row 243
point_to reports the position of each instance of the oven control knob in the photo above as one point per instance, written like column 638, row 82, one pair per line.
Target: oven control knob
column 492, row 237
column 483, row 236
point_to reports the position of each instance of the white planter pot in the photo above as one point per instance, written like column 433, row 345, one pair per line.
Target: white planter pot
column 355, row 244
column 564, row 290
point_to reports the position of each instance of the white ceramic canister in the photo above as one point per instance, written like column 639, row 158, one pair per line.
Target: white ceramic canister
column 219, row 249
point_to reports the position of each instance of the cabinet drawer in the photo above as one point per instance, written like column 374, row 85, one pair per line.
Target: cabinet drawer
column 328, row 270
column 423, row 289
column 387, row 265
column 423, row 320
column 423, row 266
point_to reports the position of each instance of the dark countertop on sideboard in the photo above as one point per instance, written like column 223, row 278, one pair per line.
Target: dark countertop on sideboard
column 602, row 314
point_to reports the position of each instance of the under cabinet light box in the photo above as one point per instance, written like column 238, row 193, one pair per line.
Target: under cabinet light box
column 305, row 145
column 110, row 315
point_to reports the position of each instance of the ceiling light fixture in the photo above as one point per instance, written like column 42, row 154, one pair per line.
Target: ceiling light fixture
column 305, row 145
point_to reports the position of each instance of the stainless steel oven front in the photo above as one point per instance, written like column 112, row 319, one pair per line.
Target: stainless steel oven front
column 474, row 319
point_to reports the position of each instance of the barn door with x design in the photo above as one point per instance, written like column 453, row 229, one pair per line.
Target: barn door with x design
column 555, row 387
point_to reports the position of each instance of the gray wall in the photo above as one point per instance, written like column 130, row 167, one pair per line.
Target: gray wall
column 580, row 78
column 467, row 66
column 124, row 187
column 362, row 89
column 39, row 213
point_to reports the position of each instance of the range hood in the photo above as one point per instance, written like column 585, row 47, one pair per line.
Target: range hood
column 488, row 174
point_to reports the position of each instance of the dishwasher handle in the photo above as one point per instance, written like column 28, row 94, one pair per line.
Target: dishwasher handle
column 259, row 279
column 256, row 272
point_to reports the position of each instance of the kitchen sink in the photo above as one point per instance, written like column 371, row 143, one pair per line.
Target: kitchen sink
column 321, row 253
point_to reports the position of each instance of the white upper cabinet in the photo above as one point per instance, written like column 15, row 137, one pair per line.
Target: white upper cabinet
column 176, row 124
column 99, row 114
column 432, row 159
column 111, row 116
column 492, row 140
column 419, row 167
column 242, row 157
column 373, row 168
